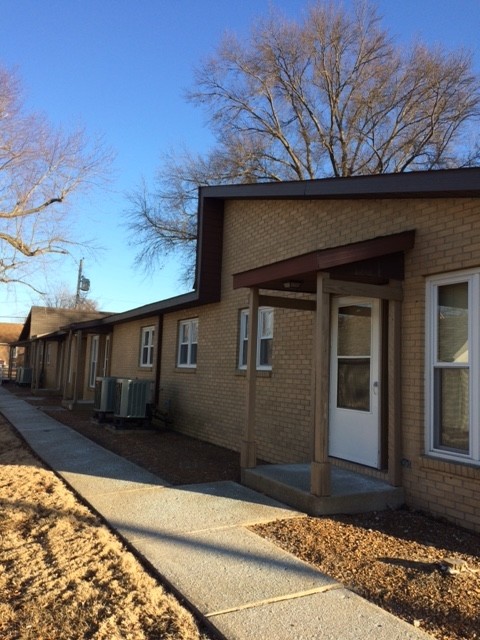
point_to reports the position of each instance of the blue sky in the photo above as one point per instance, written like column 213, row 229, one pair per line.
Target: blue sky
column 120, row 68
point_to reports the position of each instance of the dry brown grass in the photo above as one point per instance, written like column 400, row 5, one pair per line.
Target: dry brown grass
column 63, row 574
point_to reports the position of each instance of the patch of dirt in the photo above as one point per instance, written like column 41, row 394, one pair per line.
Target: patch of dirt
column 395, row 559
column 63, row 574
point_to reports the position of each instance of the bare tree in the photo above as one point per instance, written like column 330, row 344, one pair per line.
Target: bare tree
column 41, row 170
column 60, row 297
column 162, row 221
column 329, row 96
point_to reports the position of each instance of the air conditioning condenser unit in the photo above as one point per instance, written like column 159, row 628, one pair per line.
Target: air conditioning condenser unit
column 104, row 401
column 132, row 399
column 24, row 375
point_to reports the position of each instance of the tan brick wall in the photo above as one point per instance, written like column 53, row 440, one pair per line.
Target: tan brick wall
column 210, row 402
column 125, row 350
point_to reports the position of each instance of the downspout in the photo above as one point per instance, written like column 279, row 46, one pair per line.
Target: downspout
column 158, row 363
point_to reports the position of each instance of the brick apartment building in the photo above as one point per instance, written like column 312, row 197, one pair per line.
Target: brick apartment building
column 334, row 322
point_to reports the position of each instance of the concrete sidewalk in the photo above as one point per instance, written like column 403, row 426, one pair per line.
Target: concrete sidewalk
column 195, row 536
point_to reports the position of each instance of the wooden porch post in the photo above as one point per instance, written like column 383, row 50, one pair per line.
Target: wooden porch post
column 67, row 365
column 39, row 347
column 77, row 378
column 248, row 454
column 32, row 360
column 394, row 393
column 320, row 468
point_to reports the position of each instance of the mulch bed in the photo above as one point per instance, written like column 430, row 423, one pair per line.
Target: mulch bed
column 156, row 450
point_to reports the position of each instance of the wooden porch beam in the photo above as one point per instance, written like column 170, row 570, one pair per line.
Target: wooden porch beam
column 287, row 303
column 320, row 484
column 349, row 288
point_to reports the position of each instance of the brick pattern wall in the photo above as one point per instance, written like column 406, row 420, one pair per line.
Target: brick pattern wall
column 125, row 350
column 209, row 402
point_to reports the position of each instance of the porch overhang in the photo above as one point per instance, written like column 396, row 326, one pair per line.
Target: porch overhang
column 371, row 268
column 376, row 260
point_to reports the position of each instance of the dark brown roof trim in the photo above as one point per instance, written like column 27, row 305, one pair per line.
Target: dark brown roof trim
column 414, row 184
column 324, row 259
column 170, row 304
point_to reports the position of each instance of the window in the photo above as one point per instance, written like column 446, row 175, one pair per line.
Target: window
column 264, row 339
column 146, row 348
column 187, row 343
column 453, row 362
column 93, row 361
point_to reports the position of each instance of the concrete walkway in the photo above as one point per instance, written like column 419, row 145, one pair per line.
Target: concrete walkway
column 195, row 536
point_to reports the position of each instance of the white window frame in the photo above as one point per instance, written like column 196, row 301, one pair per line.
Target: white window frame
column 146, row 346
column 92, row 374
column 472, row 278
column 243, row 342
column 187, row 344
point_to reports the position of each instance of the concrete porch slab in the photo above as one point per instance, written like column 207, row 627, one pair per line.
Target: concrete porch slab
column 351, row 492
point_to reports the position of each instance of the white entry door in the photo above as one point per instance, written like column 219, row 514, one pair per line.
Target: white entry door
column 354, row 432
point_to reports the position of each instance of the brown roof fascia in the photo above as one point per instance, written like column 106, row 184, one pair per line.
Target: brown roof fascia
column 325, row 259
column 163, row 306
column 445, row 183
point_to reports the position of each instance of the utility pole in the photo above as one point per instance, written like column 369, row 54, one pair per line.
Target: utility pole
column 83, row 284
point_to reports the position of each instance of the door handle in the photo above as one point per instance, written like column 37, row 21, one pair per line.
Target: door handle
column 375, row 387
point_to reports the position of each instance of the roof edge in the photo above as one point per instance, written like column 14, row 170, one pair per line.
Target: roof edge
column 414, row 184
column 168, row 305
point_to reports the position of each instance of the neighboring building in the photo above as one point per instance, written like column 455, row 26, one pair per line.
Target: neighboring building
column 9, row 332
column 120, row 345
column 44, row 343
column 334, row 322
